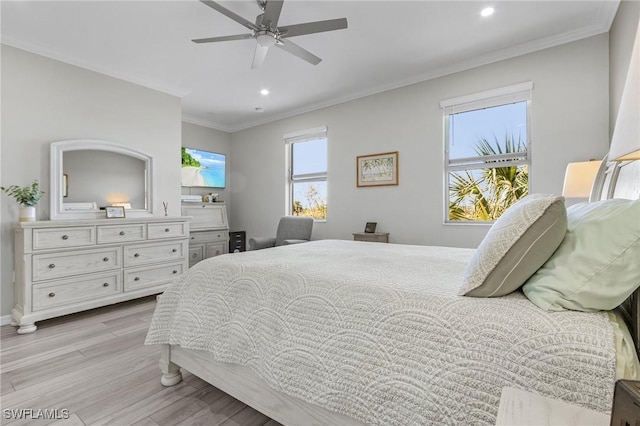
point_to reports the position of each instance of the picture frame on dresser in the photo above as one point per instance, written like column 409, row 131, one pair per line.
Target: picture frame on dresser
column 115, row 212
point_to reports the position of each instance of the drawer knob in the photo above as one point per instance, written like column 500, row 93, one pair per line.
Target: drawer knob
column 174, row 251
column 175, row 272
column 52, row 294
column 105, row 285
column 217, row 252
column 121, row 232
column 136, row 255
column 52, row 265
column 105, row 259
column 193, row 238
column 136, row 279
column 65, row 237
column 194, row 255
column 166, row 229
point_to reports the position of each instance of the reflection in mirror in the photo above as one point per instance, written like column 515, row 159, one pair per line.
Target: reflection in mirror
column 88, row 175
column 104, row 179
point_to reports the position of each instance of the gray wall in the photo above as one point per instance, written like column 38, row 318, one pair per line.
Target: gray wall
column 199, row 137
column 44, row 101
column 569, row 122
column 621, row 37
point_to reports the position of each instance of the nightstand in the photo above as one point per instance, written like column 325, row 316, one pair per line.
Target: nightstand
column 521, row 408
column 373, row 237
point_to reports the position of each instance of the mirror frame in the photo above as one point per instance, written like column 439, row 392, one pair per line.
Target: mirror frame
column 56, row 179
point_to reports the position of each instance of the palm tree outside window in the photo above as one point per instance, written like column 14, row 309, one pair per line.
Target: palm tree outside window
column 487, row 153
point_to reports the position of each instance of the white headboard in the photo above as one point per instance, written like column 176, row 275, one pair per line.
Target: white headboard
column 621, row 179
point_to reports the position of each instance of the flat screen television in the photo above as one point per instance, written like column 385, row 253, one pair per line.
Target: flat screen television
column 203, row 168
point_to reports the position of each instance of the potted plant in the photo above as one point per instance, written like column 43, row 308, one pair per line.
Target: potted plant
column 27, row 197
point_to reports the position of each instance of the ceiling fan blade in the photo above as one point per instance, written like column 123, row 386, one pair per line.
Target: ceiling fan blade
column 259, row 55
column 298, row 51
column 223, row 38
column 239, row 19
column 272, row 13
column 313, row 27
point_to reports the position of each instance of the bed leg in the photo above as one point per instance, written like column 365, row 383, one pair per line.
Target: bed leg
column 171, row 374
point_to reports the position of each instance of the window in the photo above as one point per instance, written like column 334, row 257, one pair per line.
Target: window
column 487, row 152
column 307, row 172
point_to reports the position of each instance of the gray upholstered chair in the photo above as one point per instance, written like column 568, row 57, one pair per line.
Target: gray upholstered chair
column 291, row 230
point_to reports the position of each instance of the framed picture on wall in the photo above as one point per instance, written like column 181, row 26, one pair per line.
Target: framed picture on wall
column 114, row 212
column 377, row 169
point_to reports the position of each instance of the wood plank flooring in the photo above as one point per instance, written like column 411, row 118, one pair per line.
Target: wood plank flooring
column 95, row 370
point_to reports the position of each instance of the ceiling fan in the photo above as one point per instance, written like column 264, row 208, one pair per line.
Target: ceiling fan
column 267, row 33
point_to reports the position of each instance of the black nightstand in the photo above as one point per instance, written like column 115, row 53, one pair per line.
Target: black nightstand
column 237, row 241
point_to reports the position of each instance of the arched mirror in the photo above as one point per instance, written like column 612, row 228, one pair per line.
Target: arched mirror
column 89, row 175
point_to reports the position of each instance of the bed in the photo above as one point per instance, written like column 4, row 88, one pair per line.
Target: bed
column 351, row 333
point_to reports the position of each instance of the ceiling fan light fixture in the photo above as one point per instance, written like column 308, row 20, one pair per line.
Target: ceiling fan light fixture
column 265, row 39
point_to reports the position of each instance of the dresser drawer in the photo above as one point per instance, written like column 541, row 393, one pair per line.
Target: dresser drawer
column 121, row 233
column 150, row 276
column 58, row 265
column 143, row 254
column 167, row 230
column 63, row 237
column 64, row 292
column 208, row 236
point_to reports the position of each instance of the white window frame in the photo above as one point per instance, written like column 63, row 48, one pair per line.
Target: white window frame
column 290, row 139
column 492, row 98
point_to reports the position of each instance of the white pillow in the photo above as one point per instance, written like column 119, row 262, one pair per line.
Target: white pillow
column 597, row 265
column 517, row 244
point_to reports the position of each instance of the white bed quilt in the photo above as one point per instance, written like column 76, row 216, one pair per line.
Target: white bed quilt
column 376, row 332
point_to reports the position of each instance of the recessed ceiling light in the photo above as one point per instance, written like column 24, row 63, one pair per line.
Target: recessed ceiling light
column 264, row 92
column 259, row 109
column 487, row 11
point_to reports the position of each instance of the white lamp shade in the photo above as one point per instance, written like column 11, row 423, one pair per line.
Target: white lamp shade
column 579, row 178
column 625, row 142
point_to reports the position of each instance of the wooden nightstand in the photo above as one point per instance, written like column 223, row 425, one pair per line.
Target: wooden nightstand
column 521, row 408
column 373, row 237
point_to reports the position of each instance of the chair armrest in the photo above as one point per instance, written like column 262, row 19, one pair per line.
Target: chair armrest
column 287, row 242
column 257, row 243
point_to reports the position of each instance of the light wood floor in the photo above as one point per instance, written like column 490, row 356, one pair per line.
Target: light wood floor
column 94, row 365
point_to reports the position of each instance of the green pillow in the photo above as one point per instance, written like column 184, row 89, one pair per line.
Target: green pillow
column 597, row 265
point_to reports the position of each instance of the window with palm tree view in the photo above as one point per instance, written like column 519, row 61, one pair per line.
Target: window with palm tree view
column 487, row 160
column 308, row 177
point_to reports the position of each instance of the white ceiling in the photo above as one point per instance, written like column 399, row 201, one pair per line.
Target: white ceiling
column 388, row 44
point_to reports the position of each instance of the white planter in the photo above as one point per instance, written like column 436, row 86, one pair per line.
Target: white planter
column 27, row 214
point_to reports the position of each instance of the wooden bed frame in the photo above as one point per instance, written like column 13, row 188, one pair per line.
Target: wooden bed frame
column 614, row 180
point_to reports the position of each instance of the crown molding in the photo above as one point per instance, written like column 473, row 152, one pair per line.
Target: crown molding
column 206, row 123
column 486, row 59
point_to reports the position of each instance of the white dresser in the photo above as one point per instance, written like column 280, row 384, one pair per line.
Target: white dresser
column 67, row 266
column 209, row 230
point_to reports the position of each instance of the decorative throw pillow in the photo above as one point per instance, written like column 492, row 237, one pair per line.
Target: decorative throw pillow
column 517, row 244
column 597, row 266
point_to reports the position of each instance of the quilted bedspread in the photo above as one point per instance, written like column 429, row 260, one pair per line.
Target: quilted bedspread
column 376, row 332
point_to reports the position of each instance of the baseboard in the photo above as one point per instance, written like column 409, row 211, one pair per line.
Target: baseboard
column 5, row 320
